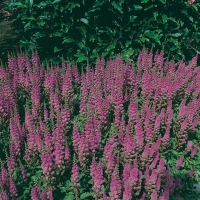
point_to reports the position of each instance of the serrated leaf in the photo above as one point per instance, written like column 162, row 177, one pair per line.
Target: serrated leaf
column 164, row 18
column 176, row 34
column 85, row 195
column 117, row 6
column 137, row 7
column 84, row 20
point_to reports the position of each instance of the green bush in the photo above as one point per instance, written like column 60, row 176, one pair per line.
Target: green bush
column 82, row 30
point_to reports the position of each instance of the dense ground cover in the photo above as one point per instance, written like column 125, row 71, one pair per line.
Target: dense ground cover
column 114, row 132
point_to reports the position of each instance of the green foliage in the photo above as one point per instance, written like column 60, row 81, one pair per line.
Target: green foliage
column 79, row 31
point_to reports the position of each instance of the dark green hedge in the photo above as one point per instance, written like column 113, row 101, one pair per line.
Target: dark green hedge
column 85, row 29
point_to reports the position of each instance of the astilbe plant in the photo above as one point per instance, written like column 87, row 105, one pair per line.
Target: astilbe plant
column 127, row 133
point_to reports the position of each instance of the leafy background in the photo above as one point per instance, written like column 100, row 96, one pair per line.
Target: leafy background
column 84, row 30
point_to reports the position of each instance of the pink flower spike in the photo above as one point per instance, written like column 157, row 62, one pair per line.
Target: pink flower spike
column 191, row 1
column 179, row 163
column 191, row 173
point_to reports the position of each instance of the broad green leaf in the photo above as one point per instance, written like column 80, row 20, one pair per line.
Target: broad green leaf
column 68, row 40
column 83, row 30
column 56, row 49
column 44, row 3
column 121, row 2
column 144, row 1
column 105, row 53
column 172, row 19
column 182, row 23
column 155, row 14
column 56, row 34
column 69, row 197
column 73, row 5
column 176, row 34
column 111, row 46
column 184, row 11
column 31, row 2
column 56, row 1
column 174, row 47
column 30, row 18
column 164, row 18
column 127, row 43
column 38, row 34
column 82, row 58
column 195, row 7
column 163, row 1
column 80, row 44
column 191, row 18
column 41, row 23
column 84, row 20
column 128, row 53
column 132, row 18
column 85, row 195
column 98, row 3
column 147, row 8
column 150, row 34
column 117, row 6
column 137, row 7
column 158, row 30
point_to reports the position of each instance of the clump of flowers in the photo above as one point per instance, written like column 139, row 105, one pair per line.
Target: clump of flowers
column 111, row 140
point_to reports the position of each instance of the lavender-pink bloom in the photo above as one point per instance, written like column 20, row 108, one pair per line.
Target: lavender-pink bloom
column 179, row 163
column 24, row 175
column 4, row 177
column 154, row 195
column 75, row 173
column 75, row 137
column 47, row 194
column 35, row 193
column 127, row 195
column 194, row 150
column 191, row 173
column 13, row 189
column 47, row 164
column 11, row 163
column 115, row 186
column 4, row 195
column 126, row 173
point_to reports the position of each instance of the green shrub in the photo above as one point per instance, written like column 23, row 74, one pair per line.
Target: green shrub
column 85, row 29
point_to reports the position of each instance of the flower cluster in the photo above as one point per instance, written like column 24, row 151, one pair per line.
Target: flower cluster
column 128, row 123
